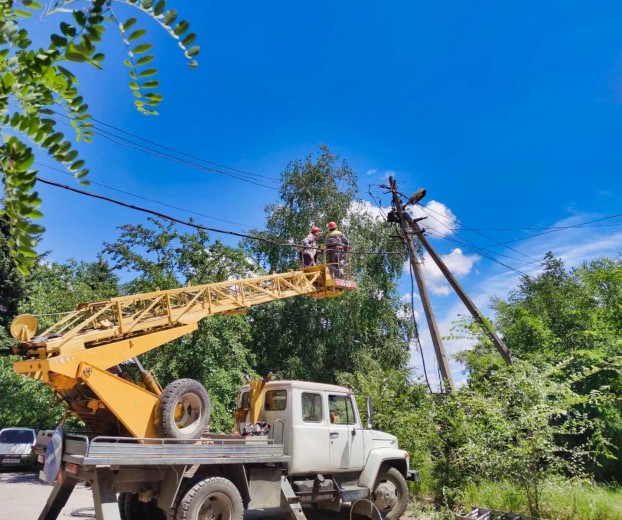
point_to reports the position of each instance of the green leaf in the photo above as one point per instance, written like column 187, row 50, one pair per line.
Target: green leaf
column 22, row 14
column 159, row 8
column 144, row 47
column 146, row 4
column 79, row 17
column 144, row 60
column 58, row 41
column 129, row 23
column 25, row 162
column 181, row 28
column 136, row 35
column 193, row 51
column 75, row 56
column 189, row 39
column 151, row 84
column 31, row 4
column 8, row 79
column 68, row 30
column 147, row 73
column 76, row 165
column 170, row 17
column 34, row 213
column 99, row 57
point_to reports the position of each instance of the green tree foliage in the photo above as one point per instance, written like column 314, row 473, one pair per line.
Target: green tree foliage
column 576, row 316
column 11, row 281
column 400, row 406
column 520, row 424
column 160, row 257
column 25, row 401
column 37, row 84
column 49, row 289
column 314, row 340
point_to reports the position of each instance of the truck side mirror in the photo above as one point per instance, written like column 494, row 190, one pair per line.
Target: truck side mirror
column 370, row 411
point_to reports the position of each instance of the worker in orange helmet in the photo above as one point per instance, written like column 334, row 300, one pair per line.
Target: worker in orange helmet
column 310, row 248
column 336, row 247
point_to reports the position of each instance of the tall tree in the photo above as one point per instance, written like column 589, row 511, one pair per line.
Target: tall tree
column 574, row 317
column 310, row 339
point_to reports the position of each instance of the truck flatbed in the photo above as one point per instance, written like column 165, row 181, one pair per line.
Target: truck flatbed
column 123, row 451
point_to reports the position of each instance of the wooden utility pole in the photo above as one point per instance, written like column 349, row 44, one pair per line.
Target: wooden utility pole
column 439, row 348
column 410, row 226
column 468, row 303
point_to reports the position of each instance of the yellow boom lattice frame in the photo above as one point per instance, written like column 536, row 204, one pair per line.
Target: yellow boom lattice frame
column 74, row 355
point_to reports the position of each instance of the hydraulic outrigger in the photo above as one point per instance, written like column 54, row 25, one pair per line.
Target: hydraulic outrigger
column 77, row 356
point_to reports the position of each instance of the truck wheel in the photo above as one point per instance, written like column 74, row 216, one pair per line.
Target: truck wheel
column 390, row 494
column 184, row 410
column 133, row 509
column 214, row 498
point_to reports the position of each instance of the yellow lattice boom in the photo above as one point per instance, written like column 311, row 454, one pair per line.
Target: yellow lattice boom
column 78, row 350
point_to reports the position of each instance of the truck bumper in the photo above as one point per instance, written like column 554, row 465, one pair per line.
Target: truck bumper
column 412, row 475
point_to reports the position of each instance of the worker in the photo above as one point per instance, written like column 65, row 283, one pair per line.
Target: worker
column 310, row 247
column 336, row 248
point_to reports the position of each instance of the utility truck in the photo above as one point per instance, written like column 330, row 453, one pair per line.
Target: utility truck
column 149, row 456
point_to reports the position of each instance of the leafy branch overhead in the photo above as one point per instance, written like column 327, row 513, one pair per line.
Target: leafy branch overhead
column 37, row 88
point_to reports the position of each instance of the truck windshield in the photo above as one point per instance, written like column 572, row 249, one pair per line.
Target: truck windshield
column 17, row 437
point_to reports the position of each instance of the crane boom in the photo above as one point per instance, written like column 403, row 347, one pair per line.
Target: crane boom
column 74, row 356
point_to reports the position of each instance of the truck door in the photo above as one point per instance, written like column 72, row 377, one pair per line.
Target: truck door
column 345, row 433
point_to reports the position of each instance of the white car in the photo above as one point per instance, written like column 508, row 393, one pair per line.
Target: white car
column 16, row 447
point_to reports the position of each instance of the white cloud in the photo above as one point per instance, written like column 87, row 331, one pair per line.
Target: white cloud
column 439, row 219
column 365, row 207
column 372, row 171
column 457, row 262
column 388, row 173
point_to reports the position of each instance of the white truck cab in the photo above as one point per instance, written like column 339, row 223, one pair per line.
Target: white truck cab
column 321, row 431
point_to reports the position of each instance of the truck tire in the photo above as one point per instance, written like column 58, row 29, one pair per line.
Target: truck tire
column 184, row 410
column 213, row 498
column 133, row 509
column 390, row 493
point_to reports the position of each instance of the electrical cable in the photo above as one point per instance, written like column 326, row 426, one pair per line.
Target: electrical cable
column 147, row 199
column 412, row 308
column 477, row 249
column 161, row 155
column 561, row 228
column 185, row 154
column 481, row 234
column 192, row 224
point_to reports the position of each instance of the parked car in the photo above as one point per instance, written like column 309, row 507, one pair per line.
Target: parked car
column 16, row 446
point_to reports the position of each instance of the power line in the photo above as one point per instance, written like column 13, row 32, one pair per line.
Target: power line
column 183, row 153
column 479, row 250
column 561, row 228
column 481, row 234
column 126, row 143
column 146, row 198
column 412, row 308
column 192, row 224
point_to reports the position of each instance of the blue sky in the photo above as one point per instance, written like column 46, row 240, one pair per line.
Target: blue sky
column 508, row 113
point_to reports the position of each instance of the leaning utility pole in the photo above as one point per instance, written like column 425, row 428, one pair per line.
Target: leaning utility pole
column 416, row 230
column 404, row 221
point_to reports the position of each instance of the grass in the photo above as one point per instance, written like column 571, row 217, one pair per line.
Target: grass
column 561, row 500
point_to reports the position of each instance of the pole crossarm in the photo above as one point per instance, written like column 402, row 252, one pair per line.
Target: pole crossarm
column 103, row 322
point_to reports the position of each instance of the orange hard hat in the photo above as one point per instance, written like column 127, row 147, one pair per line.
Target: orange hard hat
column 315, row 229
column 332, row 225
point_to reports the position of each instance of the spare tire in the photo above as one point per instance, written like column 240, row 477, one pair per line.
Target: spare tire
column 184, row 410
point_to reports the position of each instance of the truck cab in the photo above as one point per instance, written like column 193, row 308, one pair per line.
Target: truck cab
column 321, row 431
